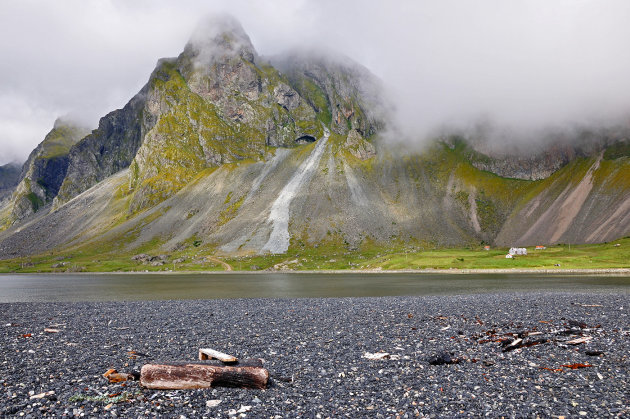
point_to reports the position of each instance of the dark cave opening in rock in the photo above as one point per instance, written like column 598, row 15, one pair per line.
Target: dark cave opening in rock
column 305, row 139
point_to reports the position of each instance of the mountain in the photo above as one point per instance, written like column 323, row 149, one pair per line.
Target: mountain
column 241, row 155
column 9, row 178
column 45, row 170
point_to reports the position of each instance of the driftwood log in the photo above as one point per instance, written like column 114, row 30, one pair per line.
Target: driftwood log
column 247, row 373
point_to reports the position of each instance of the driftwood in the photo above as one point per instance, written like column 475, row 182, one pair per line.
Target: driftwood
column 247, row 373
column 520, row 343
column 580, row 340
column 114, row 376
column 207, row 353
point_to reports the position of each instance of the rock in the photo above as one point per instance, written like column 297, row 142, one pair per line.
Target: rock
column 213, row 403
column 524, row 160
column 441, row 358
column 244, row 409
column 286, row 97
column 338, row 87
column 358, row 147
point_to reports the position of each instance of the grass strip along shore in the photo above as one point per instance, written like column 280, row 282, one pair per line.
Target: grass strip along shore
column 585, row 258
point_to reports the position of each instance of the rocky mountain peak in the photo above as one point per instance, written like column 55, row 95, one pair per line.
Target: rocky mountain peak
column 45, row 169
column 9, row 178
column 353, row 95
column 216, row 103
column 219, row 36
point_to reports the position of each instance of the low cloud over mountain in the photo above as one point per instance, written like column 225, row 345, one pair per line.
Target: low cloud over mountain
column 521, row 65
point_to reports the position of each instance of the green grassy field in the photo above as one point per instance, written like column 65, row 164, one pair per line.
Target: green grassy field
column 332, row 256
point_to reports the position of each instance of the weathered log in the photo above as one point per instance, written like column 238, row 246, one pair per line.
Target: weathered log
column 207, row 353
column 204, row 374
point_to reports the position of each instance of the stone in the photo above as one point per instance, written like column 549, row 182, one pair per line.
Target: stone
column 358, row 147
column 286, row 97
column 441, row 358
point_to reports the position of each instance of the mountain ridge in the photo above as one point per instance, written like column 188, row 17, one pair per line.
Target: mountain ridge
column 227, row 149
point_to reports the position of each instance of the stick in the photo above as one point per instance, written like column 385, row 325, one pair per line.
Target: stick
column 580, row 340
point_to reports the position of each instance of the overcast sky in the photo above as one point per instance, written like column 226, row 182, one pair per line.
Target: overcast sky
column 520, row 63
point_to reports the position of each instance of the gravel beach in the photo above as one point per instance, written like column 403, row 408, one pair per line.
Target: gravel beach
column 477, row 355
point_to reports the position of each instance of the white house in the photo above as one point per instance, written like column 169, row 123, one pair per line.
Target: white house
column 521, row 251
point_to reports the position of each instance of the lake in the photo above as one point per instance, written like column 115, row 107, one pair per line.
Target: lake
column 126, row 287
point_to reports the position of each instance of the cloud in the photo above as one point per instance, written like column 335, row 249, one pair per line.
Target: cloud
column 520, row 63
column 20, row 123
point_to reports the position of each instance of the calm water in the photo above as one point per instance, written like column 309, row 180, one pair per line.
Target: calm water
column 117, row 287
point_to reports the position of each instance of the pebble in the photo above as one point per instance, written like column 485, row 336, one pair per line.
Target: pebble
column 317, row 362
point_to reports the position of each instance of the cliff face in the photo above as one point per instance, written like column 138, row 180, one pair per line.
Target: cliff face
column 108, row 149
column 9, row 178
column 539, row 158
column 44, row 171
column 347, row 94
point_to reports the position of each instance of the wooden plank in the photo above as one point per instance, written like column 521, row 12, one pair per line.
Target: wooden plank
column 207, row 353
column 182, row 375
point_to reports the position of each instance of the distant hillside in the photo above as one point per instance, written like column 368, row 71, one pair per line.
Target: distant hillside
column 9, row 178
column 45, row 169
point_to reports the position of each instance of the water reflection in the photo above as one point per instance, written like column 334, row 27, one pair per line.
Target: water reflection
column 118, row 287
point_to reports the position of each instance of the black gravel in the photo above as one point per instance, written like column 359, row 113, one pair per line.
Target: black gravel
column 314, row 350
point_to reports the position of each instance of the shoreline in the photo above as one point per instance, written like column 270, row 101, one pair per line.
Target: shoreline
column 452, row 271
